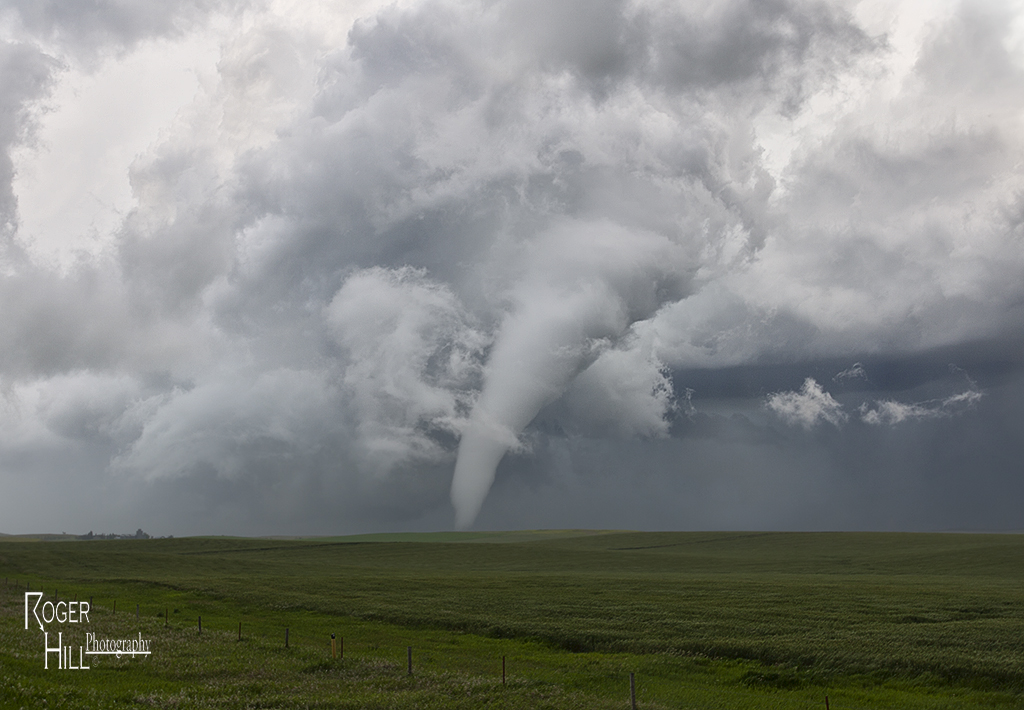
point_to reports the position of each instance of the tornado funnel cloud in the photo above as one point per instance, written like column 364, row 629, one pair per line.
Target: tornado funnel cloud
column 479, row 455
column 587, row 285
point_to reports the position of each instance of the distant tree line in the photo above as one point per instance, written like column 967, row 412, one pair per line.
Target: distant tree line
column 140, row 534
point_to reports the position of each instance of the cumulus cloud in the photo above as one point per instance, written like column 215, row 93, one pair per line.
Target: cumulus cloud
column 812, row 404
column 412, row 364
column 220, row 427
column 626, row 392
column 893, row 412
column 67, row 410
column 807, row 407
column 386, row 244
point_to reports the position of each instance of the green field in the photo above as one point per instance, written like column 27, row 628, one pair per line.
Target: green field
column 704, row 620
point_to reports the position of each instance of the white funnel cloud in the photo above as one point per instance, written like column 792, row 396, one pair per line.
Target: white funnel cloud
column 587, row 283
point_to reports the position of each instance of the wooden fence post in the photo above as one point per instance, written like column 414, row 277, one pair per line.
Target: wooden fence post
column 286, row 637
column 409, row 650
column 632, row 691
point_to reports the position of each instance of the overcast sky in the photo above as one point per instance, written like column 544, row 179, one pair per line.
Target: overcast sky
column 300, row 267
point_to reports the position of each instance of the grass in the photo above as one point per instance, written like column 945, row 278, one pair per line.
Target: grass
column 705, row 620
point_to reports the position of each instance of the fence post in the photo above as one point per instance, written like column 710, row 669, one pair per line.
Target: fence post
column 503, row 670
column 409, row 650
column 239, row 630
column 200, row 625
column 632, row 691
column 286, row 637
column 334, row 648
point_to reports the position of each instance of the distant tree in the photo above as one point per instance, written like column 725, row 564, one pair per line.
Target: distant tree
column 140, row 535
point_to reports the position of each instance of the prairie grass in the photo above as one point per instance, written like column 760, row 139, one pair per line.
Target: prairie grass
column 705, row 620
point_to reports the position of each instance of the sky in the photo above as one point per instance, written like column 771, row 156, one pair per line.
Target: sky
column 275, row 267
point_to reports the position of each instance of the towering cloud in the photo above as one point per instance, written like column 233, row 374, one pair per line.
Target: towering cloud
column 320, row 267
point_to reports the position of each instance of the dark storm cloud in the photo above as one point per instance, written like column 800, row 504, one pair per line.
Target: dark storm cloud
column 989, row 363
column 956, row 471
column 622, row 259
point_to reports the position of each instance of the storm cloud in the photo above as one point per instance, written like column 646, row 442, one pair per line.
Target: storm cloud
column 274, row 267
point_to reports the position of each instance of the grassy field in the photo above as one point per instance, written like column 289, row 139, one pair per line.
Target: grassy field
column 704, row 620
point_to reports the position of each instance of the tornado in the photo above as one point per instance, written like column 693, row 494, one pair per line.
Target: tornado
column 587, row 285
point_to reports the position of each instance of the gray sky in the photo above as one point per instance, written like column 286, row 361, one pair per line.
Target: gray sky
column 280, row 267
